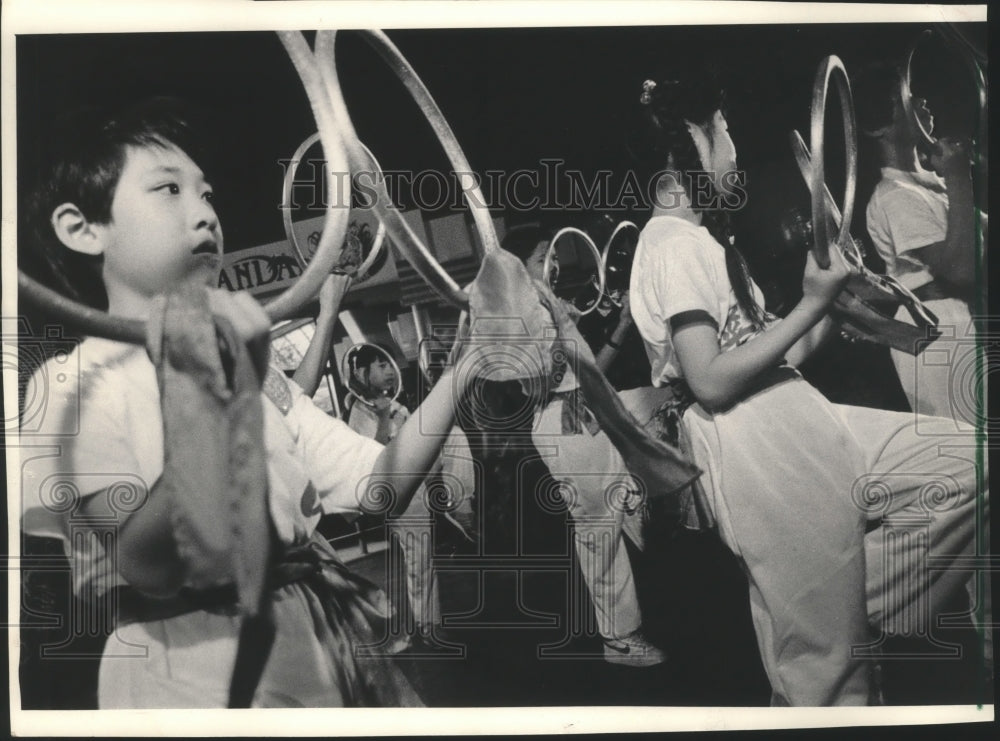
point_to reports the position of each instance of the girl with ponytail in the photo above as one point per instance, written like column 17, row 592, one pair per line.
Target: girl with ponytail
column 782, row 465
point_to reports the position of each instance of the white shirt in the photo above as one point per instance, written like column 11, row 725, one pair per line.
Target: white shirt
column 680, row 267
column 907, row 211
column 102, row 425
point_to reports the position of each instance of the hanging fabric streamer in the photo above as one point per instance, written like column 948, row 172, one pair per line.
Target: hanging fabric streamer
column 215, row 464
column 504, row 297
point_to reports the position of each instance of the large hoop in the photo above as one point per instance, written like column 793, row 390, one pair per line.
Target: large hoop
column 831, row 67
column 109, row 326
column 804, row 160
column 286, row 210
column 849, row 248
column 606, row 252
column 345, row 370
column 547, row 265
column 402, row 235
column 906, row 91
column 906, row 83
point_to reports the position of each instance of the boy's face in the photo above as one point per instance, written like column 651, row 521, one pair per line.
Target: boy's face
column 901, row 122
column 163, row 229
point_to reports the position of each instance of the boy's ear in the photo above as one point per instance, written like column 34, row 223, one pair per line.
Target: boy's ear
column 74, row 231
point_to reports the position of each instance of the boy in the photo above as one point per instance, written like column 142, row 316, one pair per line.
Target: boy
column 923, row 223
column 129, row 196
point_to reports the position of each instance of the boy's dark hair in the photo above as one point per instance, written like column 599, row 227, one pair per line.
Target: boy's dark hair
column 874, row 89
column 83, row 167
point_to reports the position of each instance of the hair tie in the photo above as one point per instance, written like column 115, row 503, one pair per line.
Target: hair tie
column 648, row 87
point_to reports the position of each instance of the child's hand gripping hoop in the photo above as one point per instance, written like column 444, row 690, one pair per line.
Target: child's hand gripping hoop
column 867, row 306
column 402, row 235
column 359, row 272
column 548, row 267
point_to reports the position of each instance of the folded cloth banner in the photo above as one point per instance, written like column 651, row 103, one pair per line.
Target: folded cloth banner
column 214, row 468
column 504, row 296
column 510, row 334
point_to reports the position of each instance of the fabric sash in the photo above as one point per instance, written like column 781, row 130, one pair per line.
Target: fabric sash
column 545, row 335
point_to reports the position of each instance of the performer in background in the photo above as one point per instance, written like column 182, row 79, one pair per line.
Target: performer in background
column 923, row 223
column 374, row 413
column 785, row 471
column 588, row 464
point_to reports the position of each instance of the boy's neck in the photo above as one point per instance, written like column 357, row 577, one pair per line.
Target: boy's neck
column 125, row 302
column 899, row 152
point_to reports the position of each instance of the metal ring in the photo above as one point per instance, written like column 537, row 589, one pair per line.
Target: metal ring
column 402, row 235
column 423, row 361
column 345, row 370
column 906, row 82
column 906, row 91
column 804, row 160
column 831, row 67
column 547, row 265
column 607, row 250
column 102, row 324
column 286, row 211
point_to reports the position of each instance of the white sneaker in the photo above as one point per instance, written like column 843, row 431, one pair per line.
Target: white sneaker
column 632, row 650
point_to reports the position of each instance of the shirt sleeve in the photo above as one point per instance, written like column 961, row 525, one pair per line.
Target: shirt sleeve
column 337, row 459
column 78, row 446
column 899, row 220
column 684, row 282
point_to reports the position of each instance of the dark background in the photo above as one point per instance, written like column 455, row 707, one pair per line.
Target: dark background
column 512, row 96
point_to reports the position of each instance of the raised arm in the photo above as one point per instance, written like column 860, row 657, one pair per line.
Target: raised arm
column 607, row 354
column 953, row 260
column 719, row 379
column 310, row 370
column 406, row 461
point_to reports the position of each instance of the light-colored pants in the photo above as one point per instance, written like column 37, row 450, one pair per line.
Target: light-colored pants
column 821, row 589
column 593, row 475
column 415, row 531
column 457, row 484
column 942, row 381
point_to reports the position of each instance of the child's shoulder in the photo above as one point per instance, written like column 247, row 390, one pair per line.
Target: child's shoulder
column 71, row 384
column 669, row 240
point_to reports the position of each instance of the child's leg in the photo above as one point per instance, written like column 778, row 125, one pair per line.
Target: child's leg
column 415, row 532
column 923, row 486
column 589, row 466
column 781, row 500
column 604, row 561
